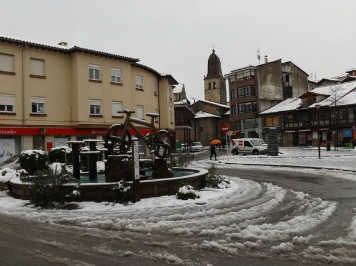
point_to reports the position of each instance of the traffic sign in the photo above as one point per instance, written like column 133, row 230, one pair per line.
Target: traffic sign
column 225, row 128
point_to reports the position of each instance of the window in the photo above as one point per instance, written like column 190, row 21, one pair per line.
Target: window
column 38, row 105
column 115, row 75
column 241, row 108
column 155, row 88
column 6, row 63
column 37, row 68
column 7, row 103
column 139, row 112
column 233, row 109
column 246, row 91
column 232, row 95
column 247, row 107
column 94, row 72
column 95, row 107
column 38, row 142
column 139, row 83
column 115, row 108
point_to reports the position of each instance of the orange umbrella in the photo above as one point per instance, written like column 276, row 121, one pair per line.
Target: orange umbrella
column 215, row 142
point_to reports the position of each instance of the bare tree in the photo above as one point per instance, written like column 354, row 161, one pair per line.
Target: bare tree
column 335, row 100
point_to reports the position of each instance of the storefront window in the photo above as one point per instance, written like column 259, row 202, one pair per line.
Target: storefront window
column 38, row 142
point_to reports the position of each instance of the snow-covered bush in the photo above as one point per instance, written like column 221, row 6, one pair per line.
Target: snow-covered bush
column 6, row 174
column 47, row 190
column 60, row 155
column 215, row 180
column 182, row 159
column 187, row 192
column 122, row 192
column 33, row 161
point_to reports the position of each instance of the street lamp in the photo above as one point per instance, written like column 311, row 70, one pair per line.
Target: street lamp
column 317, row 106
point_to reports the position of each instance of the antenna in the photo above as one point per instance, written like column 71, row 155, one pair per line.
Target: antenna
column 258, row 55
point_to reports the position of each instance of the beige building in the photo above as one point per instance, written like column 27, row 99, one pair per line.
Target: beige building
column 52, row 94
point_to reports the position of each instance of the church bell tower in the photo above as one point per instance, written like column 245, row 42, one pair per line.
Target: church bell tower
column 214, row 81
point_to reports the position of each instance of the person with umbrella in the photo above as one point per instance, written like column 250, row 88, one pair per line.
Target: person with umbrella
column 213, row 148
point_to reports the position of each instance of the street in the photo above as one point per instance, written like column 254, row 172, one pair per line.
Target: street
column 268, row 217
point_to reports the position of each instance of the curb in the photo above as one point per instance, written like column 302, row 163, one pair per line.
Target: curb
column 293, row 166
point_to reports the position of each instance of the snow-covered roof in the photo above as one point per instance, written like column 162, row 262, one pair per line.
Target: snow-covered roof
column 338, row 91
column 349, row 98
column 287, row 105
column 178, row 88
column 346, row 92
column 202, row 114
column 342, row 88
column 214, row 103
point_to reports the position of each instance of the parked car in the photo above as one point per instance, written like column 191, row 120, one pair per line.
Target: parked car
column 12, row 162
column 253, row 146
column 196, row 146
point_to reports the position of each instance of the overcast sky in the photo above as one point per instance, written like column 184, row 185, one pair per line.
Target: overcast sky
column 177, row 37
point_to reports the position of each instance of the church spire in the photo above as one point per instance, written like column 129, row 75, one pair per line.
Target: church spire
column 214, row 66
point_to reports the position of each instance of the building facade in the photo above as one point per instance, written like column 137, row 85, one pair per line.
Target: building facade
column 52, row 94
column 326, row 112
column 256, row 88
column 184, row 117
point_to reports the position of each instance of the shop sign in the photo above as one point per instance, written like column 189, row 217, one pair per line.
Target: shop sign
column 59, row 131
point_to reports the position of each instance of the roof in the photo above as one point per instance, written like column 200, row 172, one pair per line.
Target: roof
column 345, row 92
column 287, row 105
column 178, row 88
column 349, row 98
column 342, row 88
column 76, row 49
column 233, row 72
column 202, row 114
column 64, row 49
column 340, row 92
column 213, row 103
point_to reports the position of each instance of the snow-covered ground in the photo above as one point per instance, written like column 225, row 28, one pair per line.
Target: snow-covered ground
column 247, row 219
column 340, row 163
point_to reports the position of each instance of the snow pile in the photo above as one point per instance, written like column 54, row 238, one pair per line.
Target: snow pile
column 6, row 174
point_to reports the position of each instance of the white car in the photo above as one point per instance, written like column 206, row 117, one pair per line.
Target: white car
column 196, row 146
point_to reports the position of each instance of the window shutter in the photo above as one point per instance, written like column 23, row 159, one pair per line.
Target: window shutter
column 37, row 67
column 6, row 62
column 7, row 99
column 116, row 106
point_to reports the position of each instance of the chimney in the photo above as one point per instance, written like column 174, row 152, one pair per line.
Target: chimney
column 266, row 59
column 63, row 43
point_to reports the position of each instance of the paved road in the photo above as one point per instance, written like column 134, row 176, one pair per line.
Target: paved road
column 135, row 238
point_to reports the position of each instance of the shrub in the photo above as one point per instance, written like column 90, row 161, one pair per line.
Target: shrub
column 214, row 180
column 47, row 191
column 60, row 155
column 182, row 159
column 33, row 161
column 187, row 192
column 122, row 192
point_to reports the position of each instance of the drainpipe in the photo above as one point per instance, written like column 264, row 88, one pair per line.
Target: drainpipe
column 159, row 106
column 23, row 83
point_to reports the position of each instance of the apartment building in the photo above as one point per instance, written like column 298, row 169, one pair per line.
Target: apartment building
column 256, row 88
column 52, row 94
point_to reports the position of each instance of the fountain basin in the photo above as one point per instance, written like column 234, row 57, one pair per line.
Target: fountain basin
column 102, row 191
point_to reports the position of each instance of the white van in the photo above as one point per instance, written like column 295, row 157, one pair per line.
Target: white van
column 253, row 146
